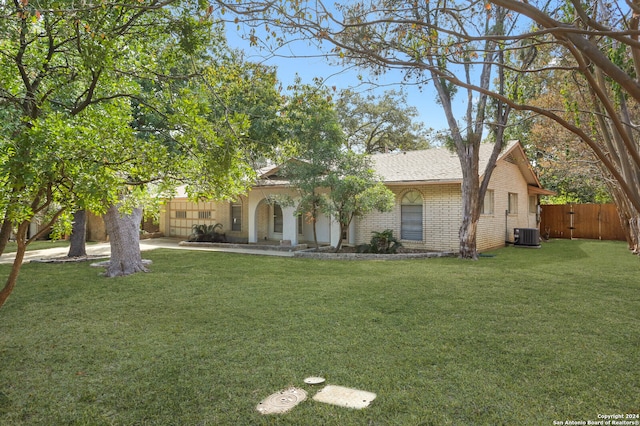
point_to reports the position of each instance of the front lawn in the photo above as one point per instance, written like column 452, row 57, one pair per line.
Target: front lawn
column 526, row 337
column 12, row 247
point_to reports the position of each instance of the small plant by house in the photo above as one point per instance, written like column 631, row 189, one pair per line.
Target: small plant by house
column 382, row 243
column 207, row 233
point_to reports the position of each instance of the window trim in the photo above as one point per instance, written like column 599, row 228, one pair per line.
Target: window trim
column 489, row 197
column 533, row 207
column 512, row 203
column 409, row 200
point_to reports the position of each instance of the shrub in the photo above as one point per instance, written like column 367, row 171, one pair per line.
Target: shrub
column 381, row 242
column 207, row 233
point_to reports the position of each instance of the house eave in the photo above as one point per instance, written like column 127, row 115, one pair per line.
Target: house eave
column 536, row 190
column 422, row 182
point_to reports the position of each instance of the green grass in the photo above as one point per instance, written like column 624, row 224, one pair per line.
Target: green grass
column 527, row 337
column 12, row 247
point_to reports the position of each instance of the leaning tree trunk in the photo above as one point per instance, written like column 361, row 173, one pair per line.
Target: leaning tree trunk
column 124, row 238
column 315, row 235
column 21, row 240
column 5, row 234
column 342, row 231
column 78, row 238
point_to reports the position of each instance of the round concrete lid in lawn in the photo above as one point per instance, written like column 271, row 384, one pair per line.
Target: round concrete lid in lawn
column 314, row 380
column 281, row 402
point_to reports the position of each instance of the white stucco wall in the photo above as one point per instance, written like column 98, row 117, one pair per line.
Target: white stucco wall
column 257, row 218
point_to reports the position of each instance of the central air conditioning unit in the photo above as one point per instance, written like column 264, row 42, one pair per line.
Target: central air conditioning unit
column 526, row 237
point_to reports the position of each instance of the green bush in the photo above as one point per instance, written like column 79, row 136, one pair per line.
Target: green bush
column 382, row 243
column 207, row 233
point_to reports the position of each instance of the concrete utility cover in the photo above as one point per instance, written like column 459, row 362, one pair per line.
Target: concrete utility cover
column 314, row 380
column 344, row 397
column 281, row 402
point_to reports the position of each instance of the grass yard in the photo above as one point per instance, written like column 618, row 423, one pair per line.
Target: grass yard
column 526, row 337
column 12, row 247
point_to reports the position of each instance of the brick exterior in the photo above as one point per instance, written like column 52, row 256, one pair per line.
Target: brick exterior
column 441, row 217
column 442, row 213
column 496, row 228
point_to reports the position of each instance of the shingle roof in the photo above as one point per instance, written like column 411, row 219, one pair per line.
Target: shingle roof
column 435, row 164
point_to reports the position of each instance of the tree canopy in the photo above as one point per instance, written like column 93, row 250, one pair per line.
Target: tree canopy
column 380, row 123
column 329, row 179
column 101, row 100
column 317, row 138
column 354, row 191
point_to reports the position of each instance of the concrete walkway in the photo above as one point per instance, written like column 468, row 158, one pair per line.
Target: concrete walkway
column 103, row 249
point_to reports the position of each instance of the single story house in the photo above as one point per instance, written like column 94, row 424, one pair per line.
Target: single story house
column 426, row 215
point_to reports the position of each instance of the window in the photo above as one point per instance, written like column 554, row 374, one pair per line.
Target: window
column 487, row 206
column 533, row 204
column 300, row 222
column 204, row 215
column 236, row 217
column 181, row 214
column 278, row 220
column 513, row 203
column 411, row 216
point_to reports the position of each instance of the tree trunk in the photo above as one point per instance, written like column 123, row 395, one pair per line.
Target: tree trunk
column 468, row 229
column 343, row 229
column 5, row 234
column 315, row 235
column 21, row 239
column 470, row 201
column 124, row 238
column 314, row 219
column 77, row 246
column 634, row 227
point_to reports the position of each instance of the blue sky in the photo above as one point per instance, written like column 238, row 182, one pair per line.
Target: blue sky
column 301, row 59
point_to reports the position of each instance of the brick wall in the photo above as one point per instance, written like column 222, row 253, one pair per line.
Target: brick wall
column 441, row 216
column 497, row 227
column 442, row 213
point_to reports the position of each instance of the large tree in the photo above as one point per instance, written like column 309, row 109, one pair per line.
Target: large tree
column 380, row 123
column 430, row 42
column 393, row 34
column 598, row 40
column 316, row 137
column 101, row 100
column 586, row 79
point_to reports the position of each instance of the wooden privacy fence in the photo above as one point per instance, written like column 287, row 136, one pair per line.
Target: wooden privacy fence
column 594, row 221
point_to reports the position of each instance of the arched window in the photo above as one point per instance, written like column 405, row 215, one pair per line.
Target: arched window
column 411, row 216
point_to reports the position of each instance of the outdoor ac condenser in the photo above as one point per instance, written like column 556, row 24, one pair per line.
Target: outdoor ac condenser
column 528, row 237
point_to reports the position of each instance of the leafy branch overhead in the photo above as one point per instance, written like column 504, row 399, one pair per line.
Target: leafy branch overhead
column 100, row 101
column 480, row 49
